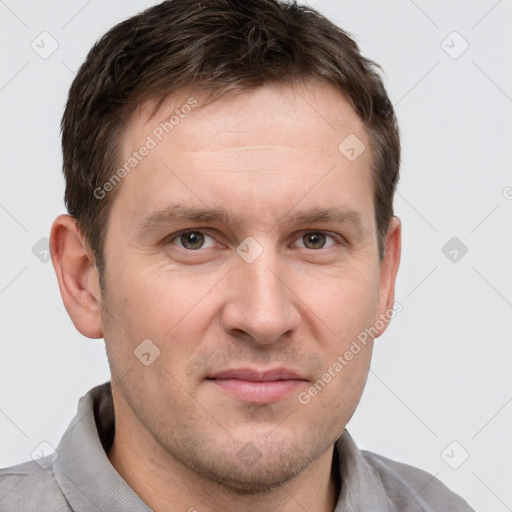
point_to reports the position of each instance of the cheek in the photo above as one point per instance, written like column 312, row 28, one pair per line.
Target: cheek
column 345, row 301
column 334, row 396
column 173, row 309
column 151, row 298
column 348, row 307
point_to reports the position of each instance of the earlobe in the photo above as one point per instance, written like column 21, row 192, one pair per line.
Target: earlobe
column 388, row 272
column 77, row 276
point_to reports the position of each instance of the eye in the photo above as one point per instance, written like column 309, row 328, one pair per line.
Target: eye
column 192, row 240
column 315, row 240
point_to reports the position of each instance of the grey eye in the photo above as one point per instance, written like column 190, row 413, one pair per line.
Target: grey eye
column 316, row 240
column 193, row 240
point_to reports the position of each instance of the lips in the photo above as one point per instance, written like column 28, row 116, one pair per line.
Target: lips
column 257, row 375
column 257, row 386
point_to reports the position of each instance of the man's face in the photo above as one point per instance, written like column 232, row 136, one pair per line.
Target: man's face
column 231, row 316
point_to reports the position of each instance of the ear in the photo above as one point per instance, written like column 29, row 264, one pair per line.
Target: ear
column 388, row 271
column 77, row 275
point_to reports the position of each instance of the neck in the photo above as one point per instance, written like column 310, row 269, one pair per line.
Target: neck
column 165, row 484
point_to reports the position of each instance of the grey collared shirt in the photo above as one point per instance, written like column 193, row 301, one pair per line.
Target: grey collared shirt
column 81, row 478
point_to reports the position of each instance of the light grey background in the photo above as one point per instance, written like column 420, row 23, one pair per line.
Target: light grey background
column 441, row 373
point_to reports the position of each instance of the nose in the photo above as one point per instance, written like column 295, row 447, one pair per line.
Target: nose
column 261, row 305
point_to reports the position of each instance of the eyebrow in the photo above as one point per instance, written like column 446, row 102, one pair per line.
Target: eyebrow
column 178, row 213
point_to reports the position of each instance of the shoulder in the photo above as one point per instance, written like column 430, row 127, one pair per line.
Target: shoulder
column 413, row 490
column 31, row 486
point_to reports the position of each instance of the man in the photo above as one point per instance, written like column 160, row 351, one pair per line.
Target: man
column 230, row 169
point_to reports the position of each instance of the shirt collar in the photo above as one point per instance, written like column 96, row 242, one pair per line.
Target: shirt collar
column 361, row 487
column 82, row 469
column 91, row 483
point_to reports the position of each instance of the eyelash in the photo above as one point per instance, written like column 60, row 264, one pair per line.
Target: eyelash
column 176, row 236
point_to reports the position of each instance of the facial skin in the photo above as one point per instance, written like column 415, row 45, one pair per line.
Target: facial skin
column 264, row 156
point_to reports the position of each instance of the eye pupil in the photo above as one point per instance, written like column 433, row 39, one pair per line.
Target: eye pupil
column 316, row 240
column 192, row 240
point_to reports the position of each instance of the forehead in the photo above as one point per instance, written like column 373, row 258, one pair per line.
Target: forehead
column 309, row 111
column 261, row 150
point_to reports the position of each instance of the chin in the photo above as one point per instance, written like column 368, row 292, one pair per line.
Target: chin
column 263, row 477
column 252, row 468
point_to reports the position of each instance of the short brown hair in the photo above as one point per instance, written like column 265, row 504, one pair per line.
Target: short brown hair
column 219, row 46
